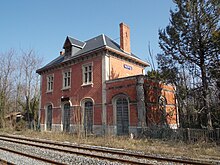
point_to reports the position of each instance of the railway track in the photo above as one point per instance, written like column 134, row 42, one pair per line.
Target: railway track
column 112, row 155
column 28, row 156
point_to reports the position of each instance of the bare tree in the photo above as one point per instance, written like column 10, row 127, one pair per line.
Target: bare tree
column 30, row 83
column 6, row 84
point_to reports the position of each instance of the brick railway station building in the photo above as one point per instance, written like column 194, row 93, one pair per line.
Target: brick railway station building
column 100, row 87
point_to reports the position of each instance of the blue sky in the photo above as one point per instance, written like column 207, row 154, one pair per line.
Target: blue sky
column 44, row 24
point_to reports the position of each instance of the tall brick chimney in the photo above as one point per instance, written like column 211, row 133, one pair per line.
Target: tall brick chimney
column 125, row 38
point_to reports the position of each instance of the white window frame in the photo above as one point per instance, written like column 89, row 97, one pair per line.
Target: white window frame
column 50, row 83
column 87, row 74
column 67, row 79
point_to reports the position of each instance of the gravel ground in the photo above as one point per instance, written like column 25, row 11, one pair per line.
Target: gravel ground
column 49, row 154
column 21, row 160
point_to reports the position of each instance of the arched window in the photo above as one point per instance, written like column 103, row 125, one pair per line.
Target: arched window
column 121, row 114
column 66, row 117
column 162, row 109
column 88, row 116
column 49, row 118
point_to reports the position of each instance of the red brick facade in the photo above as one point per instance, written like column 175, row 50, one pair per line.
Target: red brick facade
column 101, row 91
column 152, row 92
column 118, row 70
column 77, row 90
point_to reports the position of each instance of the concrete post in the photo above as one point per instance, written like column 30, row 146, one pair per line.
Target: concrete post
column 218, row 133
column 188, row 135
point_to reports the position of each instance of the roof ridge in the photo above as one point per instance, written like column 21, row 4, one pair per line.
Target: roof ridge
column 93, row 38
column 103, row 36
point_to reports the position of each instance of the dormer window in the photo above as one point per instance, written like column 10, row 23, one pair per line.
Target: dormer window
column 68, row 51
column 72, row 46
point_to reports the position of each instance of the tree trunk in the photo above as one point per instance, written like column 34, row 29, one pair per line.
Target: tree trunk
column 28, row 112
column 205, row 96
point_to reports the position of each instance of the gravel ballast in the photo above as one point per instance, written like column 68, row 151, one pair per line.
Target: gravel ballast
column 45, row 153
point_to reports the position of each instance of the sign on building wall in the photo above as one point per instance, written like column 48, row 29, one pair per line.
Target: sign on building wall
column 127, row 67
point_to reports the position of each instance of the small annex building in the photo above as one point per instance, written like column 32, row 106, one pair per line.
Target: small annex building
column 99, row 87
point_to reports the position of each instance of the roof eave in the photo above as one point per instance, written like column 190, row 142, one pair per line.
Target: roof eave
column 145, row 64
column 39, row 71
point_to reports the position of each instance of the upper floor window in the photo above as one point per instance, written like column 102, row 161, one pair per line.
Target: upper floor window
column 49, row 83
column 66, row 79
column 87, row 73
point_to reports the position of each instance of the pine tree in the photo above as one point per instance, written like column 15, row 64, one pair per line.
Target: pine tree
column 190, row 39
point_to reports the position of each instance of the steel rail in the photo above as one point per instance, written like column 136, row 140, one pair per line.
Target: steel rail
column 140, row 156
column 31, row 156
column 5, row 162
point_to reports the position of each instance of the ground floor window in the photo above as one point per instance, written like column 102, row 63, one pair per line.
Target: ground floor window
column 88, row 116
column 49, row 118
column 66, row 117
column 162, row 110
column 122, row 115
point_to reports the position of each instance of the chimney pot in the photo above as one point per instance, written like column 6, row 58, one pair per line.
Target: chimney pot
column 61, row 53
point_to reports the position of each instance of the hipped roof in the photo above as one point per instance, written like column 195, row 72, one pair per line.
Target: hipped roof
column 99, row 42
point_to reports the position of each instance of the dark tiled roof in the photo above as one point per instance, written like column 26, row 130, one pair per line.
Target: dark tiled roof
column 112, row 44
column 88, row 46
column 92, row 44
column 57, row 60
